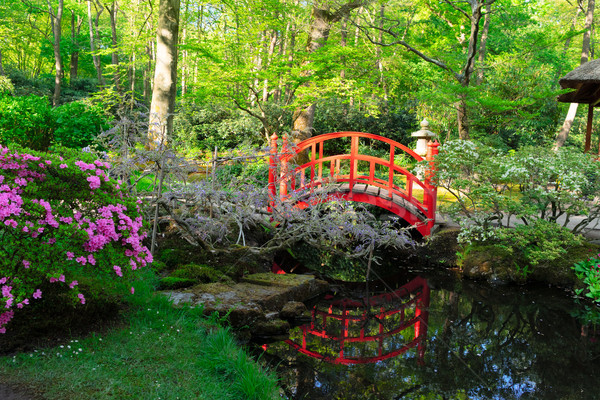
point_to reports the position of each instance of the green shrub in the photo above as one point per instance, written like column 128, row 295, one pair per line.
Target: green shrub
column 27, row 121
column 6, row 86
column 77, row 124
column 392, row 122
column 589, row 273
column 213, row 125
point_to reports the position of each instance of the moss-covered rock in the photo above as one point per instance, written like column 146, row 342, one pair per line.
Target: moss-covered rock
column 491, row 263
column 200, row 274
column 499, row 265
column 171, row 283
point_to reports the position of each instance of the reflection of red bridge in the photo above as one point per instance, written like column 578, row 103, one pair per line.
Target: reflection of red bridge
column 356, row 176
column 380, row 326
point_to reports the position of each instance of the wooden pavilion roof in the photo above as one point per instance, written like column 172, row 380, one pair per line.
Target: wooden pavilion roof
column 585, row 79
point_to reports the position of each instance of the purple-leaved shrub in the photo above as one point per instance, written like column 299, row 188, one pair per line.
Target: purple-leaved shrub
column 61, row 217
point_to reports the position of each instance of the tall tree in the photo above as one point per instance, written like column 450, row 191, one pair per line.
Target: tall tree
column 322, row 20
column 165, row 74
column 56, row 21
column 76, row 22
column 93, row 22
column 469, row 10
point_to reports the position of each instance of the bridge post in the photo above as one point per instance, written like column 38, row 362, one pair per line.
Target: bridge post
column 272, row 172
column 431, row 201
column 284, row 168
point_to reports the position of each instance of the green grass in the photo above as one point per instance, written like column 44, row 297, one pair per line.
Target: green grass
column 160, row 353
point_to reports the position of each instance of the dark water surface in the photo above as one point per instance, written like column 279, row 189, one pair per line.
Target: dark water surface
column 462, row 340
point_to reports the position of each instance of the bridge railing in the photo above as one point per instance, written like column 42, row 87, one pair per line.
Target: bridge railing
column 390, row 179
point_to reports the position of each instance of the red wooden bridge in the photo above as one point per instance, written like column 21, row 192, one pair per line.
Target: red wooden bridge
column 355, row 176
column 354, row 332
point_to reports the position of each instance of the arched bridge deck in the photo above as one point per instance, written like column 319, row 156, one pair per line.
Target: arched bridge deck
column 355, row 176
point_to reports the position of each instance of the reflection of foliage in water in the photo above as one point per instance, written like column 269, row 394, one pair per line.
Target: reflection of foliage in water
column 331, row 264
column 483, row 343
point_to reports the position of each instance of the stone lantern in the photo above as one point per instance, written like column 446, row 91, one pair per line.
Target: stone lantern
column 424, row 136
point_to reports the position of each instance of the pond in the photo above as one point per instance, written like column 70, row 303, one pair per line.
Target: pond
column 429, row 335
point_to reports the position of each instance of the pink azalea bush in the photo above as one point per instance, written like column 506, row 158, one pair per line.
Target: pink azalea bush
column 62, row 217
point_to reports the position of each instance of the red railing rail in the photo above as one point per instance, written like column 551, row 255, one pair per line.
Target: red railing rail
column 383, row 174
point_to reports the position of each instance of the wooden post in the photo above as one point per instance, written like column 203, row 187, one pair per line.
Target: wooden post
column 283, row 178
column 353, row 164
column 430, row 202
column 588, row 132
column 272, row 172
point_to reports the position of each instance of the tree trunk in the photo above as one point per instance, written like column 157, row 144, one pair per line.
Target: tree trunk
column 563, row 134
column 589, row 19
column 461, row 117
column 270, row 52
column 75, row 28
column 165, row 74
column 379, row 61
column 56, row 20
column 147, row 73
column 483, row 44
column 304, row 115
column 343, row 43
column 95, row 58
column 114, row 55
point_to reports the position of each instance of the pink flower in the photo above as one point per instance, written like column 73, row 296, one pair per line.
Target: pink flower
column 73, row 284
column 81, row 298
column 61, row 278
column 63, row 166
column 81, row 260
column 26, row 263
column 94, row 182
column 52, row 280
column 70, row 255
column 132, row 290
column 37, row 294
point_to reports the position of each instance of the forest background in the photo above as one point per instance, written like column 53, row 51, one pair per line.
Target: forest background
column 485, row 70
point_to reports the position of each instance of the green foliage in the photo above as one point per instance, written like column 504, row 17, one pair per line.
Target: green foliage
column 77, row 124
column 491, row 188
column 254, row 170
column 30, row 121
column 6, row 85
column 391, row 121
column 532, row 244
column 537, row 191
column 214, row 125
column 589, row 272
column 27, row 121
column 41, row 85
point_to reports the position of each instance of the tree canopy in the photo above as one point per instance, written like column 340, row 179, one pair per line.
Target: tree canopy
column 485, row 69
